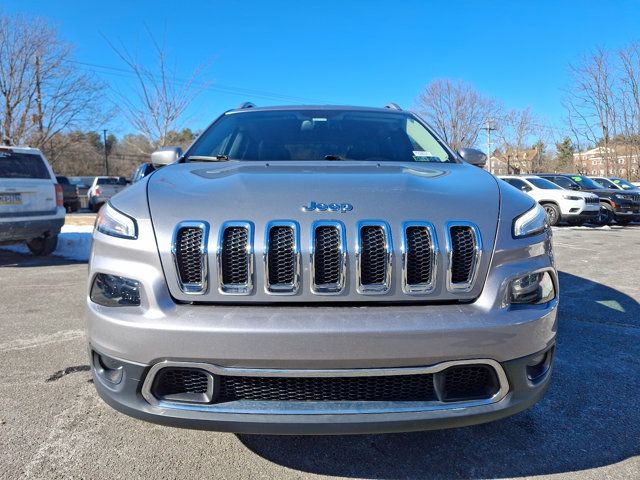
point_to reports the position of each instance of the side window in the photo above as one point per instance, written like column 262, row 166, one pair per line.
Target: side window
column 563, row 182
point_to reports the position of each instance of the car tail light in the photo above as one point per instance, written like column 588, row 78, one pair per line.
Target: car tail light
column 59, row 196
column 96, row 191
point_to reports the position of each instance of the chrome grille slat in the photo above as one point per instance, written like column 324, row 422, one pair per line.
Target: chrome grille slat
column 328, row 258
column 235, row 258
column 282, row 258
column 464, row 247
column 373, row 258
column 189, row 250
column 420, row 258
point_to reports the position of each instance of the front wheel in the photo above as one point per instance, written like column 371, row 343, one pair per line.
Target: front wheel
column 606, row 215
column 42, row 246
column 553, row 213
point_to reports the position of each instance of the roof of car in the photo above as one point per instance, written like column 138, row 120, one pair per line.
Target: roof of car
column 20, row 149
column 315, row 107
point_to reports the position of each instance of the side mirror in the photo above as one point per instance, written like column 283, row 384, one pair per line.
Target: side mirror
column 473, row 156
column 574, row 187
column 165, row 156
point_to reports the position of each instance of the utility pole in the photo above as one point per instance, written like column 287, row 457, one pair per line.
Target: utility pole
column 489, row 128
column 106, row 156
column 39, row 98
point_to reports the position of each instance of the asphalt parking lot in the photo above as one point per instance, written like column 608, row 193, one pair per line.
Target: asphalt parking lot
column 53, row 425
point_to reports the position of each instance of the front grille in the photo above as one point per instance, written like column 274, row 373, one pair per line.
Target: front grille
column 388, row 388
column 463, row 254
column 189, row 250
column 235, row 259
column 328, row 258
column 419, row 267
column 592, row 200
column 326, row 266
column 282, row 258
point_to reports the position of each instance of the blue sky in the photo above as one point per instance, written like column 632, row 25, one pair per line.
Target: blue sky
column 348, row 52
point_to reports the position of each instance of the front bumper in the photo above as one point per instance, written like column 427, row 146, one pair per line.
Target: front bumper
column 312, row 337
column 127, row 397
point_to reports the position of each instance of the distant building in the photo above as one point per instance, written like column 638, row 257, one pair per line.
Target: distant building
column 512, row 162
column 618, row 161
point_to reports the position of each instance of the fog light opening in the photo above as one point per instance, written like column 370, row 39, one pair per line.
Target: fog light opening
column 108, row 369
column 115, row 291
column 539, row 366
column 532, row 289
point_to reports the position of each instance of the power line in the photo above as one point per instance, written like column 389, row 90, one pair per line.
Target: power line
column 230, row 89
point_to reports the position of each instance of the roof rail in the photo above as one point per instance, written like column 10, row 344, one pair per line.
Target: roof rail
column 244, row 105
column 393, row 106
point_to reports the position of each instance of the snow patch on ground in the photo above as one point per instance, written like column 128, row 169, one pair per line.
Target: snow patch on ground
column 74, row 243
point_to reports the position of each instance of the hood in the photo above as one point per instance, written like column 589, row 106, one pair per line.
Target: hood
column 261, row 192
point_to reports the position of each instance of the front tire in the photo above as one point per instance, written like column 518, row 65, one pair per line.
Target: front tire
column 43, row 246
column 553, row 213
column 606, row 215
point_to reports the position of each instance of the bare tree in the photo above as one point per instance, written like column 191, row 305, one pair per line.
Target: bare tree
column 591, row 102
column 42, row 91
column 456, row 110
column 630, row 103
column 514, row 132
column 158, row 103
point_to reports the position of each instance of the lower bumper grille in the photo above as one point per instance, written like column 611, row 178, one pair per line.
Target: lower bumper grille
column 456, row 383
column 391, row 388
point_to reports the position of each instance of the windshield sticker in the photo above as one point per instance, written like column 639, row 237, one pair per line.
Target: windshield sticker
column 422, row 153
column 576, row 179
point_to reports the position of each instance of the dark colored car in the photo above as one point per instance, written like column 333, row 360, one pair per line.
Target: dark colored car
column 615, row 205
column 70, row 194
column 142, row 171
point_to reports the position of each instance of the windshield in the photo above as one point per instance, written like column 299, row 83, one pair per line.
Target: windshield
column 543, row 183
column 319, row 135
column 22, row 165
column 585, row 182
column 624, row 184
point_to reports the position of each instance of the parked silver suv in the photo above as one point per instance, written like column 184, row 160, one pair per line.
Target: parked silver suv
column 321, row 270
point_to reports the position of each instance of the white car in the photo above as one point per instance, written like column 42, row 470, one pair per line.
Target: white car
column 31, row 201
column 569, row 206
column 102, row 189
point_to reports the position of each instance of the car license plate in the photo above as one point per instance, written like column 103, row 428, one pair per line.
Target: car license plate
column 10, row 199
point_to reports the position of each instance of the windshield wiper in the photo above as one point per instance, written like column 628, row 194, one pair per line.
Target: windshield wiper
column 213, row 158
column 333, row 157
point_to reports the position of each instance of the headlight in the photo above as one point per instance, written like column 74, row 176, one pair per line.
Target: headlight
column 112, row 222
column 571, row 197
column 532, row 289
column 530, row 223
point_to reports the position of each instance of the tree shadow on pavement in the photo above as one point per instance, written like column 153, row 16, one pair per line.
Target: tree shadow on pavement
column 588, row 418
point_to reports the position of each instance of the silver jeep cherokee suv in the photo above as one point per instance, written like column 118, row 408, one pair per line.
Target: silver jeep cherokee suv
column 321, row 270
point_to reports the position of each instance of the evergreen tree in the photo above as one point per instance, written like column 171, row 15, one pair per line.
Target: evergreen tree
column 564, row 158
